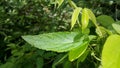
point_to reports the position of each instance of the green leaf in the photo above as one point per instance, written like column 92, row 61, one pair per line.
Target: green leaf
column 102, row 32
column 91, row 16
column 7, row 65
column 59, row 2
column 39, row 62
column 72, row 4
column 116, row 27
column 58, row 42
column 67, row 64
column 85, row 18
column 111, row 52
column 59, row 59
column 75, row 16
column 83, row 56
column 105, row 20
column 78, row 51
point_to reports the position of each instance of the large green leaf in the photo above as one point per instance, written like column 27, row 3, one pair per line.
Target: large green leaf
column 116, row 27
column 58, row 42
column 105, row 20
column 85, row 18
column 111, row 52
column 75, row 16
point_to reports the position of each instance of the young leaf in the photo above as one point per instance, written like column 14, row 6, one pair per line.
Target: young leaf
column 85, row 18
column 58, row 42
column 111, row 52
column 60, row 2
column 78, row 51
column 116, row 27
column 93, row 19
column 75, row 16
column 91, row 16
column 72, row 4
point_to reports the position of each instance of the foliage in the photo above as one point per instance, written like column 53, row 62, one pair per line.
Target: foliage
column 40, row 17
column 111, row 51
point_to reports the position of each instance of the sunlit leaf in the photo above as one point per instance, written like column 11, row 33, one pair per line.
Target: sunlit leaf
column 101, row 31
column 75, row 16
column 72, row 3
column 59, row 2
column 116, row 27
column 91, row 16
column 58, row 42
column 111, row 52
column 85, row 18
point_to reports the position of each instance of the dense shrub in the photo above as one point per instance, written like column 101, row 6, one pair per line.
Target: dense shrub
column 26, row 17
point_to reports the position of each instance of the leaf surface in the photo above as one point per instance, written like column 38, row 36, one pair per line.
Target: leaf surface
column 91, row 16
column 58, row 42
column 116, row 27
column 77, row 52
column 111, row 52
column 75, row 16
column 105, row 20
column 85, row 18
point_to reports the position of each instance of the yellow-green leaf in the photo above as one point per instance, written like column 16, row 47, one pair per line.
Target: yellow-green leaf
column 59, row 2
column 72, row 4
column 78, row 51
column 91, row 16
column 111, row 52
column 75, row 16
column 85, row 18
column 116, row 27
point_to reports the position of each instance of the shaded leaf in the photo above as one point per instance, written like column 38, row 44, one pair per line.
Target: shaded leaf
column 105, row 20
column 82, row 57
column 39, row 62
column 59, row 59
column 67, row 64
column 58, row 42
column 111, row 52
column 7, row 65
